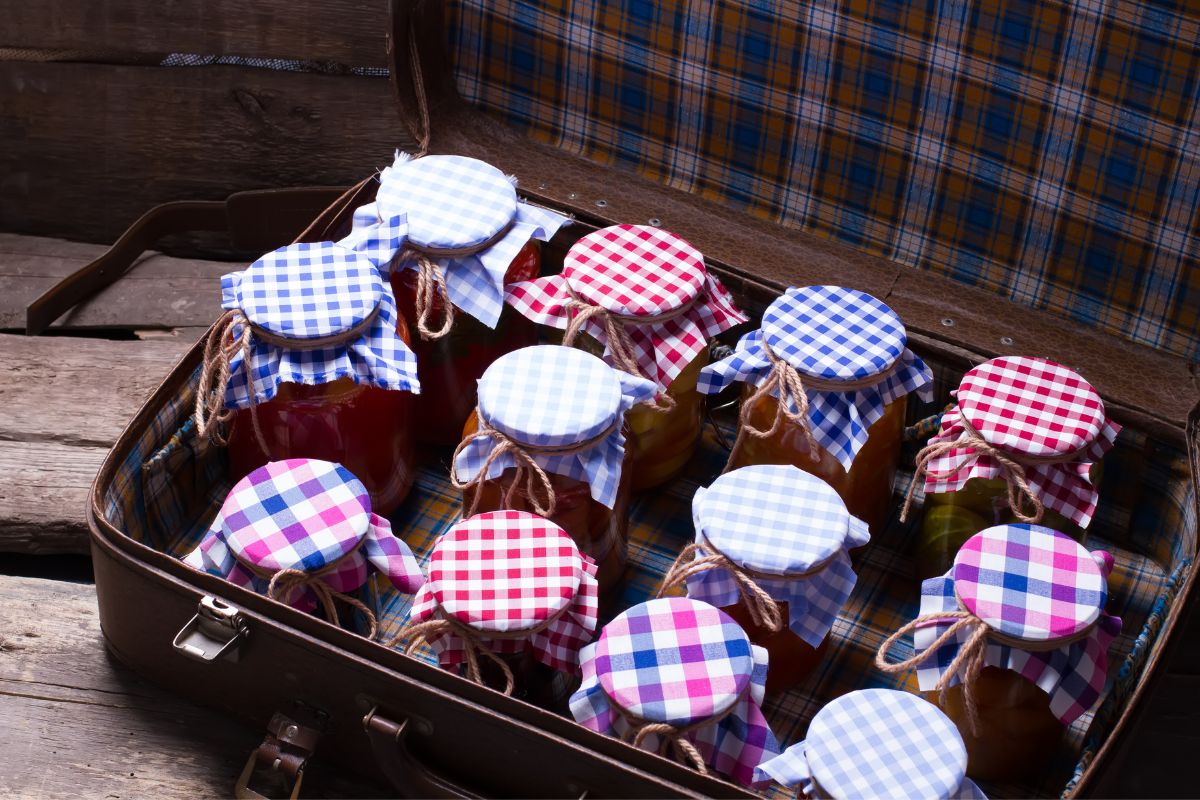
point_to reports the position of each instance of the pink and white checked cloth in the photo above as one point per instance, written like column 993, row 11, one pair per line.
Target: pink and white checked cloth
column 638, row 273
column 1033, row 408
column 506, row 572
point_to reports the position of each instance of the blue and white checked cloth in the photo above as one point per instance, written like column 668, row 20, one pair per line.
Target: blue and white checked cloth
column 832, row 334
column 779, row 520
column 311, row 291
column 457, row 203
column 878, row 743
column 549, row 396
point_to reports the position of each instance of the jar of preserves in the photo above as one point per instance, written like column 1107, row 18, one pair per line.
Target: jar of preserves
column 520, row 630
column 548, row 437
column 469, row 235
column 877, row 743
column 643, row 298
column 1021, row 445
column 1023, row 605
column 302, row 532
column 310, row 361
column 771, row 551
column 679, row 675
column 826, row 382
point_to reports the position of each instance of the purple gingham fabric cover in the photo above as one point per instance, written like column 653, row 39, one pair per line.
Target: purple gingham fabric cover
column 779, row 520
column 314, row 290
column 1034, row 583
column 878, row 743
column 452, row 203
column 551, row 396
column 830, row 333
column 303, row 514
column 680, row 661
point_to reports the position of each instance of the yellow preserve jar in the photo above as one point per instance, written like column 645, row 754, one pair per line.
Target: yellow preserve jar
column 642, row 298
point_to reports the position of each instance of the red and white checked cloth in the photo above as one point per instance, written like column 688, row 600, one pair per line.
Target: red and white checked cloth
column 505, row 572
column 1030, row 408
column 639, row 273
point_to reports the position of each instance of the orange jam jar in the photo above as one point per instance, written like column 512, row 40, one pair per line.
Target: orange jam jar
column 772, row 551
column 330, row 375
column 469, row 235
column 1022, row 444
column 826, row 383
column 549, row 436
column 643, row 298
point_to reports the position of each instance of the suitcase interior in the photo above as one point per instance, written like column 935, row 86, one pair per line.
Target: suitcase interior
column 165, row 488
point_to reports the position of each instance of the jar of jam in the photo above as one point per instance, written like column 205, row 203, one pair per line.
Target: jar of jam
column 1021, row 445
column 877, row 743
column 679, row 676
column 548, row 437
column 302, row 532
column 520, row 630
column 469, row 235
column 642, row 297
column 826, row 381
column 330, row 375
column 771, row 551
column 1024, row 607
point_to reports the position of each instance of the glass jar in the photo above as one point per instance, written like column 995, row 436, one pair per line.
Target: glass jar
column 791, row 658
column 663, row 442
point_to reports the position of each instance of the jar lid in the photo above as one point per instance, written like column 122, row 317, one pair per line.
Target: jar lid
column 775, row 519
column 452, row 202
column 634, row 270
column 297, row 514
column 505, row 571
column 309, row 290
column 884, row 743
column 833, row 333
column 1031, row 406
column 674, row 660
column 1029, row 582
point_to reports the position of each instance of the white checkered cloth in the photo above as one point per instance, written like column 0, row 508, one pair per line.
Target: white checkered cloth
column 779, row 520
column 308, row 291
column 455, row 203
column 1028, row 582
column 878, row 743
column 636, row 270
column 507, row 571
column 830, row 333
column 303, row 514
column 1032, row 407
column 680, row 661
column 548, row 396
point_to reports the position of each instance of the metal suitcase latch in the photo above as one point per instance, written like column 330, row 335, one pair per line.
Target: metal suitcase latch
column 216, row 630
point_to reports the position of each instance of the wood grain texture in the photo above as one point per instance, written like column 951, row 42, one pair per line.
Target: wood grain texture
column 89, row 147
column 73, row 721
column 345, row 31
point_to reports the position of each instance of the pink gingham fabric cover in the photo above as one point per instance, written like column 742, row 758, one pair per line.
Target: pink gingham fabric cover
column 1031, row 583
column 680, row 661
column 1031, row 407
column 639, row 271
column 506, row 571
column 303, row 514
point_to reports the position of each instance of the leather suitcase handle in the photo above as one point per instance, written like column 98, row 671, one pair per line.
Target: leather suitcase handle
column 403, row 770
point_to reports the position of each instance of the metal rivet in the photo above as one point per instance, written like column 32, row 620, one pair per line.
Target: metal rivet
column 602, row 204
column 542, row 186
column 291, row 731
column 655, row 221
column 949, row 323
column 572, row 196
column 1006, row 341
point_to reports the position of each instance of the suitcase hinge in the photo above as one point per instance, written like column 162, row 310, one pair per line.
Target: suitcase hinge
column 215, row 631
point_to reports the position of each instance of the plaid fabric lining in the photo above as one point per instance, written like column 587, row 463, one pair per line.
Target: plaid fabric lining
column 1047, row 152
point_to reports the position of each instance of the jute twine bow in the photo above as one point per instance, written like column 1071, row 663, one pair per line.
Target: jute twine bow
column 673, row 736
column 286, row 581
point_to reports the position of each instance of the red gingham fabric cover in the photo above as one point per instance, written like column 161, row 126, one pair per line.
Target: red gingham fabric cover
column 636, row 270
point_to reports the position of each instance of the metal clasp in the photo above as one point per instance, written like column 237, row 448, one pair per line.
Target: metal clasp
column 216, row 630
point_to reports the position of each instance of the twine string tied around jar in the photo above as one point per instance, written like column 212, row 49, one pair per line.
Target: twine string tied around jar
column 283, row 583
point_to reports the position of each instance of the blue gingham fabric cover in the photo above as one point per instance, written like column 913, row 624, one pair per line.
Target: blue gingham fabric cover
column 454, row 203
column 832, row 334
column 550, row 396
column 316, row 290
column 878, row 743
column 779, row 520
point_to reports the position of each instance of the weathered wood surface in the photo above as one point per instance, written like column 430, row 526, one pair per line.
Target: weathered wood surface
column 89, row 147
column 75, row 723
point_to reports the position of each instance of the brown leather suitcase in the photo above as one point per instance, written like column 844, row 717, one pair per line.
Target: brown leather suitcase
column 431, row 733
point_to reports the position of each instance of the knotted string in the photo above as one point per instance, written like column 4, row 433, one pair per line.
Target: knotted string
column 286, row 581
column 697, row 558
column 784, row 381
